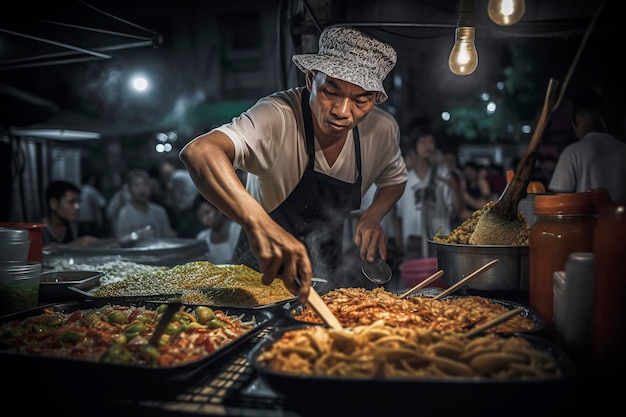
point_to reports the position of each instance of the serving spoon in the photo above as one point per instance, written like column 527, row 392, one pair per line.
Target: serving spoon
column 379, row 272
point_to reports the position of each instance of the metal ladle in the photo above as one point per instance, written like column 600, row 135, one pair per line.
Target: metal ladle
column 379, row 272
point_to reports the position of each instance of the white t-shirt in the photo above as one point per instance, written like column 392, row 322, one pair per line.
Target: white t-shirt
column 221, row 253
column 270, row 146
column 439, row 211
column 597, row 160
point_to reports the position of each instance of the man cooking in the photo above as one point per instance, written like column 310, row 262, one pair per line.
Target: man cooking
column 310, row 154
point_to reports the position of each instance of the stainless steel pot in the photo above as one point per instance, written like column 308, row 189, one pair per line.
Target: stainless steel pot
column 509, row 274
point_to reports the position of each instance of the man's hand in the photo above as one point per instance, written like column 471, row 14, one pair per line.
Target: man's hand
column 371, row 238
column 280, row 254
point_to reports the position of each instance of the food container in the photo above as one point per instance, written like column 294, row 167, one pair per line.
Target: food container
column 14, row 244
column 54, row 285
column 83, row 377
column 36, row 238
column 430, row 392
column 19, row 286
column 508, row 276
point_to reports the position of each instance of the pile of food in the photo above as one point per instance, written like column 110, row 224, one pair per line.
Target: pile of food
column 379, row 351
column 462, row 233
column 201, row 282
column 359, row 306
column 119, row 335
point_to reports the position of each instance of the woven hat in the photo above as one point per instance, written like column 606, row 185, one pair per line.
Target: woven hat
column 348, row 54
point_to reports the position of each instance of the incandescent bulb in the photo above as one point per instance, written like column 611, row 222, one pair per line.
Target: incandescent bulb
column 463, row 58
column 506, row 12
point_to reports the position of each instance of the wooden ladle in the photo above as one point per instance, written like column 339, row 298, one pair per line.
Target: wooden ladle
column 501, row 224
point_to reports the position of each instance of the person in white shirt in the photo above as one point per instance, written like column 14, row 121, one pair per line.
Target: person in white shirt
column 310, row 154
column 598, row 159
column 221, row 233
column 141, row 212
column 432, row 197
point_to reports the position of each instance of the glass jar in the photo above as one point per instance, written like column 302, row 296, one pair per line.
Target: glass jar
column 609, row 290
column 564, row 224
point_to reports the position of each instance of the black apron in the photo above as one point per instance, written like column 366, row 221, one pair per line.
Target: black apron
column 315, row 210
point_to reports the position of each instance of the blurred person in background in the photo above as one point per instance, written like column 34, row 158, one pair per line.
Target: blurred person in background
column 141, row 212
column 181, row 193
column 221, row 233
column 477, row 191
column 432, row 197
column 597, row 159
column 92, row 206
column 119, row 199
column 63, row 203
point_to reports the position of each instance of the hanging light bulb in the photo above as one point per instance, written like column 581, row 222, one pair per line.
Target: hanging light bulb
column 506, row 12
column 463, row 58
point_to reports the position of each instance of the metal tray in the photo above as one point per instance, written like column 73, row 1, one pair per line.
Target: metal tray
column 70, row 375
column 295, row 309
column 54, row 285
column 317, row 283
column 461, row 391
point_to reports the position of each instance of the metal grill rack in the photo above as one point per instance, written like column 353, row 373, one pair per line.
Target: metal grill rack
column 229, row 390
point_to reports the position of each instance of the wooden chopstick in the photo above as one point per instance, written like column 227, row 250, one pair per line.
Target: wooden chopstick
column 462, row 282
column 422, row 284
column 497, row 320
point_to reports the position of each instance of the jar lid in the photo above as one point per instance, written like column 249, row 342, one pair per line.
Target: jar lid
column 565, row 203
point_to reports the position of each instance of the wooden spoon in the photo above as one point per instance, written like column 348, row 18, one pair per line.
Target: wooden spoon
column 465, row 280
column 495, row 321
column 501, row 225
column 422, row 284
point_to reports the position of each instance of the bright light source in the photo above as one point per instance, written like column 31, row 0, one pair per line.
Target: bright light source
column 491, row 107
column 445, row 116
column 139, row 83
column 484, row 96
column 161, row 137
column 526, row 129
column 500, row 85
column 160, row 148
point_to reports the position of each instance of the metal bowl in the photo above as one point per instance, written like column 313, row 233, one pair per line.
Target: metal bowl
column 510, row 273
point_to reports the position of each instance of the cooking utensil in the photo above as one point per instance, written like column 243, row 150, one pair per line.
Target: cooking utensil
column 500, row 225
column 422, row 284
column 462, row 282
column 131, row 238
column 379, row 272
column 166, row 317
column 495, row 321
column 321, row 309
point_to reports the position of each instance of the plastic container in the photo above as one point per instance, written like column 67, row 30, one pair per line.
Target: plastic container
column 36, row 238
column 14, row 244
column 565, row 224
column 19, row 286
column 417, row 270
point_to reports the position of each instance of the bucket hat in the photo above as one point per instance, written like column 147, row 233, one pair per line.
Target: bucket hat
column 350, row 55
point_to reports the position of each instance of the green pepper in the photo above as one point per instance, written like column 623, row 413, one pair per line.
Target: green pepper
column 134, row 329
column 216, row 324
column 117, row 317
column 53, row 321
column 160, row 309
column 91, row 318
column 204, row 314
column 119, row 339
column 118, row 355
column 149, row 353
column 70, row 338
